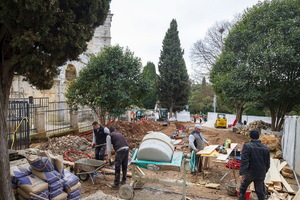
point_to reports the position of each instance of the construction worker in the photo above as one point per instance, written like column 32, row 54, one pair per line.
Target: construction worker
column 197, row 143
column 99, row 140
column 254, row 166
column 120, row 145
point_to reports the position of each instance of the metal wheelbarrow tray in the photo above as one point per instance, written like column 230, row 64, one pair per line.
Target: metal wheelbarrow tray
column 86, row 168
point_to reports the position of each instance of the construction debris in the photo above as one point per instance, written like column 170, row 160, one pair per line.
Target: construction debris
column 276, row 182
column 257, row 125
column 60, row 145
column 269, row 139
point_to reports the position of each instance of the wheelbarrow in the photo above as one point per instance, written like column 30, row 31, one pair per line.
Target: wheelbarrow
column 87, row 168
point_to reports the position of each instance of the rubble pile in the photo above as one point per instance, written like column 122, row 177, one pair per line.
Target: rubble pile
column 257, row 125
column 269, row 139
column 59, row 145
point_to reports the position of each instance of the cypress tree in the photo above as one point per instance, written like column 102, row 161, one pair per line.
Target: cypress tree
column 150, row 77
column 173, row 81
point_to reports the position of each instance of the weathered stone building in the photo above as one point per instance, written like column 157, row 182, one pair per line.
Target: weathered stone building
column 68, row 72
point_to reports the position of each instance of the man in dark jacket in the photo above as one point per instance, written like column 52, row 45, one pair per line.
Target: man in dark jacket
column 118, row 141
column 99, row 140
column 255, row 164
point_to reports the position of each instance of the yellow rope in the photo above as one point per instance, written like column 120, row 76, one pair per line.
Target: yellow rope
column 13, row 138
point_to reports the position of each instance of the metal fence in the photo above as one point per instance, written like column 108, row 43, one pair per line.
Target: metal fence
column 57, row 117
column 85, row 119
column 33, row 103
column 18, row 124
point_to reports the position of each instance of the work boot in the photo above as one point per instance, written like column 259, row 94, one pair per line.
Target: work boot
column 123, row 182
column 114, row 186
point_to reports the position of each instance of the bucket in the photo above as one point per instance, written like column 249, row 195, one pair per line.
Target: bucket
column 231, row 189
column 248, row 193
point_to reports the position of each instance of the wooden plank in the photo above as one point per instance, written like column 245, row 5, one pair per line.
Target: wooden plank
column 213, row 185
column 284, row 163
column 277, row 186
column 268, row 180
column 276, row 162
column 225, row 156
column 297, row 197
column 289, row 197
column 276, row 193
column 273, row 172
column 286, row 185
column 111, row 171
column 207, row 150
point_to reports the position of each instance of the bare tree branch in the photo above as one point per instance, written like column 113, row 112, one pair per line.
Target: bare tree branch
column 205, row 51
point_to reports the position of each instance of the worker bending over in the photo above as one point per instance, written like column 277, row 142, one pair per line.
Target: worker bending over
column 99, row 140
column 254, row 166
column 197, row 142
column 117, row 140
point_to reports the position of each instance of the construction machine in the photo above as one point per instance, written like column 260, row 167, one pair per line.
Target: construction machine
column 140, row 115
column 163, row 114
column 221, row 121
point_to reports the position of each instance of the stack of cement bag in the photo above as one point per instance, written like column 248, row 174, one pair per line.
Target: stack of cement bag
column 25, row 184
column 42, row 177
column 72, row 186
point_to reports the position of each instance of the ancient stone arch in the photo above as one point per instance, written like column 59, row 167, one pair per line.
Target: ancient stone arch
column 70, row 74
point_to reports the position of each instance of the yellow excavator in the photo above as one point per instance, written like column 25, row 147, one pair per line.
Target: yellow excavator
column 221, row 121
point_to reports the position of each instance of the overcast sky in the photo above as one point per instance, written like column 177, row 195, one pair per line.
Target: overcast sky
column 141, row 24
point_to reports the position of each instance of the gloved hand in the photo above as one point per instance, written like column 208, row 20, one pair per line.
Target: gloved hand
column 94, row 145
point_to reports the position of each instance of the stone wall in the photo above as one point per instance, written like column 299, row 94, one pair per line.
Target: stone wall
column 68, row 72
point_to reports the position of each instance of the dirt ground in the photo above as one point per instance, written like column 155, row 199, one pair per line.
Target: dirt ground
column 134, row 133
column 195, row 189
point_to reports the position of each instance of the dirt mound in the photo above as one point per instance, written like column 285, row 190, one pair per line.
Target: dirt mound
column 59, row 145
column 134, row 132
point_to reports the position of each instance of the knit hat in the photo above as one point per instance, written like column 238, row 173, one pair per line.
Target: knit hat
column 254, row 134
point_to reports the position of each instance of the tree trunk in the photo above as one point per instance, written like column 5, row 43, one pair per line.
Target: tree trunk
column 277, row 115
column 6, row 77
column 171, row 111
column 239, row 112
column 273, row 118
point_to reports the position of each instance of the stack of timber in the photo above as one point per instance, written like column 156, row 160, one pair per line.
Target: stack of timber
column 276, row 183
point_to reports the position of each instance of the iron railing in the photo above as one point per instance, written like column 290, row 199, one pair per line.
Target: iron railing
column 57, row 117
column 18, row 124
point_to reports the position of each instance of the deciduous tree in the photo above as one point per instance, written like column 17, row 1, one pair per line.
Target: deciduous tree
column 109, row 84
column 204, row 52
column 261, row 53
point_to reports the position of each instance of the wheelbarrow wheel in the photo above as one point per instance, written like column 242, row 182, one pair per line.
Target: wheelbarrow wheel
column 83, row 177
column 126, row 192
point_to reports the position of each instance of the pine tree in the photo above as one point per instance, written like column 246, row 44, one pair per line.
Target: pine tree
column 173, row 82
